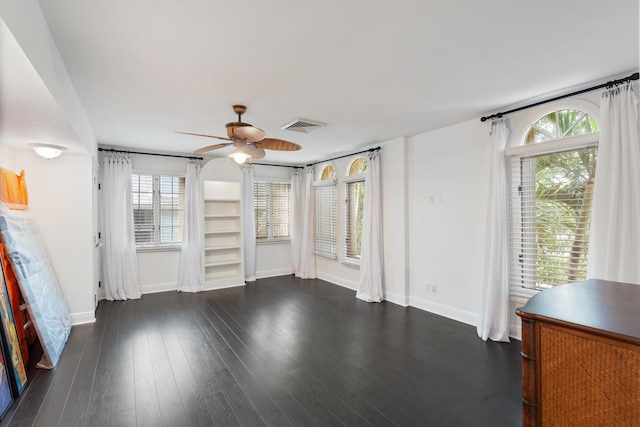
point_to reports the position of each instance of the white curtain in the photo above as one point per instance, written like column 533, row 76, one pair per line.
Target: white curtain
column 191, row 268
column 119, row 260
column 614, row 245
column 248, row 224
column 493, row 322
column 307, row 258
column 297, row 212
column 371, row 255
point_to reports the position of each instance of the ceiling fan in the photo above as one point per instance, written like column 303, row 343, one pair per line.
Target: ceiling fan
column 248, row 142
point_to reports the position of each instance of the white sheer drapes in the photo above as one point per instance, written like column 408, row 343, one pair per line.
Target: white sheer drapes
column 371, row 256
column 307, row 258
column 297, row 220
column 119, row 260
column 248, row 224
column 614, row 244
column 191, row 267
column 493, row 322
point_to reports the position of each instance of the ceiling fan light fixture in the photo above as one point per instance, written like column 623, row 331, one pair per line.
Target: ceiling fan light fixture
column 239, row 156
column 48, row 151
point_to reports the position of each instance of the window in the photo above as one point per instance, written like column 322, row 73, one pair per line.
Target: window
column 553, row 176
column 354, row 205
column 272, row 203
column 158, row 209
column 325, row 221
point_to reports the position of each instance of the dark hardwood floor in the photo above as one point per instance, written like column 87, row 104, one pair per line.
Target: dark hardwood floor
column 280, row 352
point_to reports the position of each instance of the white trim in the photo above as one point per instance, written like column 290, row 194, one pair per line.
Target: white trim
column 174, row 247
column 396, row 298
column 273, row 273
column 555, row 146
column 228, row 283
column 340, row 281
column 83, row 318
column 274, row 241
column 444, row 310
column 352, row 178
column 154, row 288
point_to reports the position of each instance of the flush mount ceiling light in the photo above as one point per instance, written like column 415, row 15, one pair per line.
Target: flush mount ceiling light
column 48, row 151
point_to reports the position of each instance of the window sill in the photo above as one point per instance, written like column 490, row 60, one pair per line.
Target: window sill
column 272, row 241
column 159, row 248
column 332, row 257
column 351, row 264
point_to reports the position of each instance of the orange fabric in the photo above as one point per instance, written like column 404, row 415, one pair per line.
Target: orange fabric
column 13, row 190
column 15, row 297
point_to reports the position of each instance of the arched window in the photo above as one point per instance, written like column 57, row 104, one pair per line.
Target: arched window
column 560, row 124
column 358, row 166
column 354, row 207
column 553, row 175
column 328, row 173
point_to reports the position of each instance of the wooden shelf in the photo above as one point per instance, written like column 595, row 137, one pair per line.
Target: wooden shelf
column 221, row 263
column 221, row 231
column 222, row 247
column 223, row 253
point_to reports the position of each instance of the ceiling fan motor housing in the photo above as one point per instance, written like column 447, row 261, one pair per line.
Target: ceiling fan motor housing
column 231, row 128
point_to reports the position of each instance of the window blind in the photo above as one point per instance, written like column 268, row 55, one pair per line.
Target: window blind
column 550, row 216
column 325, row 221
column 272, row 206
column 158, row 209
column 143, row 207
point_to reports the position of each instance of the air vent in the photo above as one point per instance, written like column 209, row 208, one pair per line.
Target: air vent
column 303, row 125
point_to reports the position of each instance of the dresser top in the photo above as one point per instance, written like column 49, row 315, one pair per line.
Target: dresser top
column 611, row 307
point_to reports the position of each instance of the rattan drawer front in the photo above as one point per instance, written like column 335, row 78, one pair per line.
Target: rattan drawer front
column 587, row 380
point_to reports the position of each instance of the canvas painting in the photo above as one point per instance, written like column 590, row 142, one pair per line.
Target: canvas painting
column 5, row 387
column 38, row 282
column 15, row 366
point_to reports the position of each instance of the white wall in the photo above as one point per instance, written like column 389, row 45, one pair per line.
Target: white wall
column 60, row 198
column 448, row 178
column 395, row 215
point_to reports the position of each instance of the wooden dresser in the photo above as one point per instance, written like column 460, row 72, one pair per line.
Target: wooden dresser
column 581, row 355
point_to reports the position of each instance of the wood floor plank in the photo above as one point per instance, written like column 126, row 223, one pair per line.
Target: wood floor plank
column 280, row 351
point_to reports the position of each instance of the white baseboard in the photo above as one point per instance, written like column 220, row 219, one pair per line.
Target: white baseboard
column 340, row 281
column 158, row 287
column 83, row 318
column 273, row 273
column 444, row 310
column 223, row 284
column 396, row 298
column 515, row 332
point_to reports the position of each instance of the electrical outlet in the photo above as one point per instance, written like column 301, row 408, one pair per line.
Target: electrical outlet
column 434, row 288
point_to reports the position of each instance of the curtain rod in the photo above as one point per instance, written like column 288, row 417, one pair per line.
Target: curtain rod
column 346, row 155
column 611, row 83
column 279, row 166
column 112, row 150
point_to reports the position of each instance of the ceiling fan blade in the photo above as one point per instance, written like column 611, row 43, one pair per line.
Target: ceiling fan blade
column 211, row 147
column 206, row 136
column 277, row 144
column 250, row 133
column 255, row 152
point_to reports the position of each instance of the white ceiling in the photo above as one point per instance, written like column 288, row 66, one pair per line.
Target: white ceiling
column 373, row 70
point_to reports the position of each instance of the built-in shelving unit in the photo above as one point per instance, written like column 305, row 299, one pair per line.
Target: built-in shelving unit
column 223, row 255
